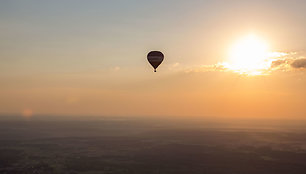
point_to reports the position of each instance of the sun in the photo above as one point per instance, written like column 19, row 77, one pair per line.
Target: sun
column 249, row 55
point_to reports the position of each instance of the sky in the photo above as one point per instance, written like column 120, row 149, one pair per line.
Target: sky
column 230, row 59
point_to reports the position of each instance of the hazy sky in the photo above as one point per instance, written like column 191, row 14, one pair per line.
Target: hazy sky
column 89, row 58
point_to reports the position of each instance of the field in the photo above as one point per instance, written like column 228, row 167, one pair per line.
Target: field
column 140, row 146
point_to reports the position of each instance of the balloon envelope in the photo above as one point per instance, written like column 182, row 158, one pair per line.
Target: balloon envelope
column 155, row 58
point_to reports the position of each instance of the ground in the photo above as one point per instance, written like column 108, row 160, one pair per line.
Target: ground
column 134, row 146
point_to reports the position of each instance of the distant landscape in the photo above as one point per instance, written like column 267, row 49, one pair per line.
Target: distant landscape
column 150, row 146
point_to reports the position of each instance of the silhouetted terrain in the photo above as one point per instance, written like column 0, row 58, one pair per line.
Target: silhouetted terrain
column 138, row 146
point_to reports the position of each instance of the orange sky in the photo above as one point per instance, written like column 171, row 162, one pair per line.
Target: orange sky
column 90, row 59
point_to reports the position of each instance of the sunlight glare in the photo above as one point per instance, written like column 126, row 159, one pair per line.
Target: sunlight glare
column 249, row 56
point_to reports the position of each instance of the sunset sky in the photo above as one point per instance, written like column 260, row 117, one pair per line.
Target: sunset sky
column 234, row 59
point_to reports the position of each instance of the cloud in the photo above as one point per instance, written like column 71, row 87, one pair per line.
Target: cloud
column 115, row 69
column 174, row 66
column 278, row 61
column 291, row 62
column 299, row 63
column 280, row 65
column 207, row 68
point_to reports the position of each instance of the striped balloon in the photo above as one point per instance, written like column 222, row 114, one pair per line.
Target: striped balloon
column 155, row 58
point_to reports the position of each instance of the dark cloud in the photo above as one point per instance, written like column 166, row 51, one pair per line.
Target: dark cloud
column 299, row 63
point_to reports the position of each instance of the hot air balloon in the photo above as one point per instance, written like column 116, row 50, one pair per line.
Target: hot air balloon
column 155, row 58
